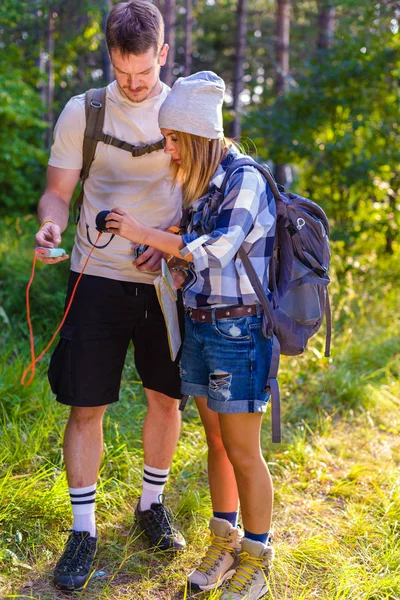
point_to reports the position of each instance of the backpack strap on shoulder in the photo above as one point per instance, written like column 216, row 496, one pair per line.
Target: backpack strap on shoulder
column 95, row 110
column 248, row 162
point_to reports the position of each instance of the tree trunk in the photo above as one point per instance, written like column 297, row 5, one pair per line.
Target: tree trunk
column 392, row 227
column 282, row 49
column 188, row 37
column 50, row 76
column 42, row 71
column 239, row 69
column 326, row 23
column 282, row 46
column 170, row 20
column 40, row 60
column 108, row 74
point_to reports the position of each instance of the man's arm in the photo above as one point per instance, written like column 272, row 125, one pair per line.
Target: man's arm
column 54, row 208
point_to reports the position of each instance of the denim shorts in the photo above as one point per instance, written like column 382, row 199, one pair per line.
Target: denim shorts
column 227, row 362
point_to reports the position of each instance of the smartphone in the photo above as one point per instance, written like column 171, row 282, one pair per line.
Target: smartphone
column 138, row 250
column 50, row 252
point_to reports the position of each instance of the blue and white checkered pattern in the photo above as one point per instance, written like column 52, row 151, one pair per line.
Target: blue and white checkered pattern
column 246, row 215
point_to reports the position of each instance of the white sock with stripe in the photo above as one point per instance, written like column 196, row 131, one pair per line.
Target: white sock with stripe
column 83, row 505
column 154, row 481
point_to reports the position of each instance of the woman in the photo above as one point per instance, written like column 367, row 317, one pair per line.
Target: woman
column 225, row 357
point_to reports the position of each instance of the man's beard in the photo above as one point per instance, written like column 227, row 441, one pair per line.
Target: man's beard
column 141, row 99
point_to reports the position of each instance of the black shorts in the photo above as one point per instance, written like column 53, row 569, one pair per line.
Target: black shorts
column 86, row 366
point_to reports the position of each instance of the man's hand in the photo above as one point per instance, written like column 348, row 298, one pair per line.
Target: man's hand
column 150, row 260
column 49, row 236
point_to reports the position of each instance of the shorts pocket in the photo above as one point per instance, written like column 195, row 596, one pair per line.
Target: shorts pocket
column 61, row 372
column 236, row 330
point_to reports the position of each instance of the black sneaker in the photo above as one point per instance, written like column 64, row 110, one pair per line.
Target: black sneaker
column 157, row 525
column 74, row 567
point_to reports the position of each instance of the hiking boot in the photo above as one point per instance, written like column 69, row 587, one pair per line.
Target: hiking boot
column 75, row 565
column 157, row 525
column 220, row 560
column 250, row 580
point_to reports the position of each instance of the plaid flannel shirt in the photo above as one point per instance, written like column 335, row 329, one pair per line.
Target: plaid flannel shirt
column 245, row 216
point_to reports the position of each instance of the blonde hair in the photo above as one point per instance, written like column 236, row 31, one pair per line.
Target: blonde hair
column 199, row 159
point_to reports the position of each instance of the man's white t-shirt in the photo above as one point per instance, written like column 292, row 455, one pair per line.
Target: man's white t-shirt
column 141, row 186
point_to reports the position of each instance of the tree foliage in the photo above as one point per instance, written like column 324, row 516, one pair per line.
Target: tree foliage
column 337, row 126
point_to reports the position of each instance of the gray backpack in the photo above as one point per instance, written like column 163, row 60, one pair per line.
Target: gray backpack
column 298, row 278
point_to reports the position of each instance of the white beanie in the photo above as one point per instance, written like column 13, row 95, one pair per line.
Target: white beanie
column 194, row 105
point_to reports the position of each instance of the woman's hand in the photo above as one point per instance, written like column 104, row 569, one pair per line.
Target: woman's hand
column 179, row 277
column 123, row 224
column 179, row 270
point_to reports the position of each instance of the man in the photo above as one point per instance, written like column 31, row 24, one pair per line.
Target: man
column 115, row 301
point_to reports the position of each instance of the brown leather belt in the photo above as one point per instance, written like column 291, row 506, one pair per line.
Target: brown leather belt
column 205, row 315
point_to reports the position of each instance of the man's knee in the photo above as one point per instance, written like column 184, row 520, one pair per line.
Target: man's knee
column 83, row 416
column 162, row 404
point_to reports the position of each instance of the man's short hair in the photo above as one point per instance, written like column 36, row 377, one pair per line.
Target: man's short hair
column 134, row 27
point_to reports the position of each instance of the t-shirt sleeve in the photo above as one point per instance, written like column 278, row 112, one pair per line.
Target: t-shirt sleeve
column 66, row 151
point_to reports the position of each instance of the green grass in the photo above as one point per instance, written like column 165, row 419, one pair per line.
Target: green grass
column 337, row 474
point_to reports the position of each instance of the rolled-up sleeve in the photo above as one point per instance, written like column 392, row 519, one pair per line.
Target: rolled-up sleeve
column 235, row 219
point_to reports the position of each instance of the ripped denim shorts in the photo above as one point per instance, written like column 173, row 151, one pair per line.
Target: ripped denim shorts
column 227, row 361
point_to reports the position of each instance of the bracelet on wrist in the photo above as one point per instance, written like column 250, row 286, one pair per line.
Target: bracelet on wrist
column 47, row 221
column 174, row 229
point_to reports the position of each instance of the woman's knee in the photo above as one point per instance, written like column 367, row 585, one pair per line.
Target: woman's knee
column 215, row 443
column 243, row 458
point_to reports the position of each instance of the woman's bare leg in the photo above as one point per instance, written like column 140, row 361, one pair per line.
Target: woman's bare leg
column 241, row 438
column 221, row 476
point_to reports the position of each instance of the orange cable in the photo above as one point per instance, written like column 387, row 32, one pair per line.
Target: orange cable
column 28, row 316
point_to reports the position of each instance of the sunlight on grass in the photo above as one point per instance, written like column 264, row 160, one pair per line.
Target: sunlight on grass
column 337, row 473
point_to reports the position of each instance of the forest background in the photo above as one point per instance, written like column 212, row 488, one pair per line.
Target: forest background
column 312, row 89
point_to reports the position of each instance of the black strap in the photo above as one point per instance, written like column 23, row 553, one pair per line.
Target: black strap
column 122, row 145
column 183, row 402
column 273, row 372
column 95, row 109
column 328, row 316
